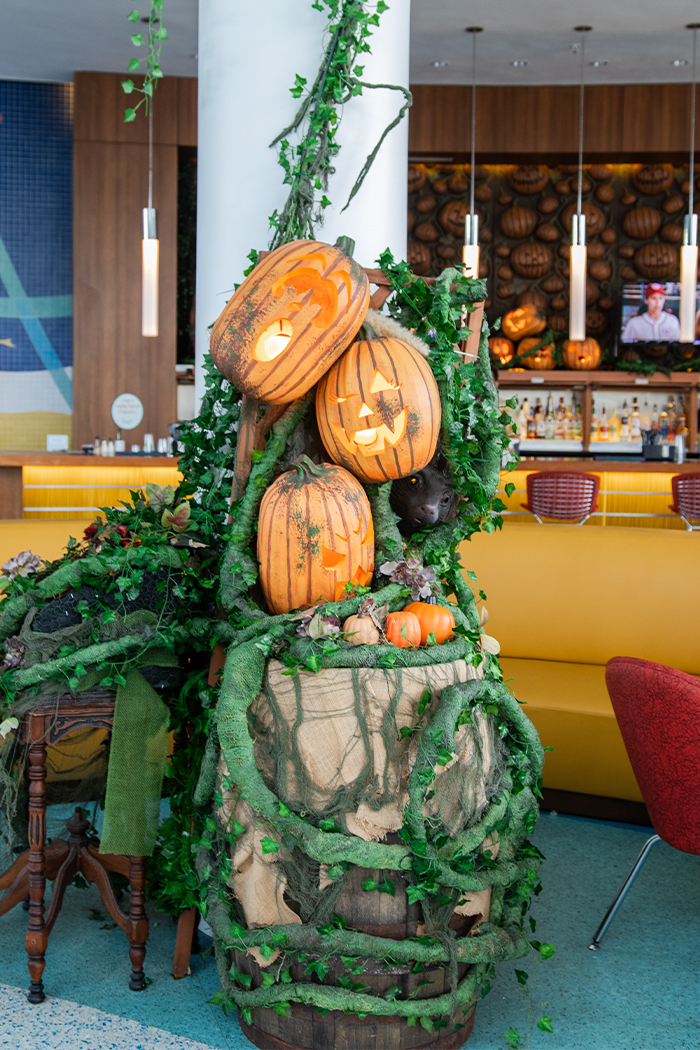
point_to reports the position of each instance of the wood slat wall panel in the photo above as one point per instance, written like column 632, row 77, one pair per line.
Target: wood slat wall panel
column 657, row 118
column 110, row 355
column 187, row 112
column 99, row 110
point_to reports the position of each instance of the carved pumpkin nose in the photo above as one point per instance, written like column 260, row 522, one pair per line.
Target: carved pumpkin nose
column 365, row 410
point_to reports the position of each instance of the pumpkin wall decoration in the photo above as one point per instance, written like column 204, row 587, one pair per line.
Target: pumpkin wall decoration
column 653, row 178
column 541, row 359
column 595, row 218
column 529, row 178
column 416, row 177
column 518, row 222
column 581, row 354
column 642, row 223
column 378, row 409
column 290, row 320
column 656, row 261
column 451, row 217
column 501, row 350
column 418, row 257
column 526, row 320
column 531, row 260
column 315, row 535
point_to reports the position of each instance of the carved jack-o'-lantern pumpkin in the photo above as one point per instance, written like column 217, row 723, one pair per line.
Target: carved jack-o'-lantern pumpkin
column 526, row 320
column 541, row 359
column 583, row 354
column 315, row 536
column 501, row 350
column 290, row 320
column 378, row 409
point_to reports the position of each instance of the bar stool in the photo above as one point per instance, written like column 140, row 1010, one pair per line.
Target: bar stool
column 61, row 861
column 562, row 495
column 686, row 499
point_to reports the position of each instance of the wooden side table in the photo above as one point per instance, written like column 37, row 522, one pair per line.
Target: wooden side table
column 61, row 861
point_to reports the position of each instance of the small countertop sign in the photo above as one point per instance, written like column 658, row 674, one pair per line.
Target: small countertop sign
column 127, row 411
column 56, row 442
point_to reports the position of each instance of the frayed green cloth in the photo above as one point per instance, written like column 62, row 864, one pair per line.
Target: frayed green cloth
column 137, row 760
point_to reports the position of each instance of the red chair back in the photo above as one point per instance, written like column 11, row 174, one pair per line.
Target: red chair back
column 686, row 495
column 658, row 711
column 565, row 495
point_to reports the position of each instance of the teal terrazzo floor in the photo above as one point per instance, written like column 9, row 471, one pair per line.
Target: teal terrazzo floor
column 639, row 992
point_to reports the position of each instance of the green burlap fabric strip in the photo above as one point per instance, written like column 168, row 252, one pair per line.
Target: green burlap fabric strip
column 136, row 768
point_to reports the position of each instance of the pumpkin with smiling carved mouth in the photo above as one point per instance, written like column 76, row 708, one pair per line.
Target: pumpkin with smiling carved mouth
column 290, row 320
column 378, row 409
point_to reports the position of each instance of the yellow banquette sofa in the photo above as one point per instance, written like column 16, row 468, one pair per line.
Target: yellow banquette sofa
column 562, row 600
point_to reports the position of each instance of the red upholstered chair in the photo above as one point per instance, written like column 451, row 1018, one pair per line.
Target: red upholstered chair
column 686, row 499
column 658, row 712
column 562, row 495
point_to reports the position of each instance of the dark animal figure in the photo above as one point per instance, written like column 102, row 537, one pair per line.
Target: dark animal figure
column 424, row 498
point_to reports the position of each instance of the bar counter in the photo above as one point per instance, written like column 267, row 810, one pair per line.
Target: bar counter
column 71, row 485
column 632, row 492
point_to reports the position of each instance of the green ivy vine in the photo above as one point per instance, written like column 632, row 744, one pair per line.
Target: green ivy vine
column 155, row 35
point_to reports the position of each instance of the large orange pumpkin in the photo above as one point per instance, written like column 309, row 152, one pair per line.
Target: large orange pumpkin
column 290, row 320
column 315, row 536
column 526, row 320
column 542, row 359
column 501, row 350
column 378, row 409
column 433, row 619
column 581, row 354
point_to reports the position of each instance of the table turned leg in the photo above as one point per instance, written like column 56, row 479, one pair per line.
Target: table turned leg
column 37, row 935
column 137, row 929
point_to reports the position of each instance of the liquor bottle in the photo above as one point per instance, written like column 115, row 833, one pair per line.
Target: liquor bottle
column 603, row 428
column 549, row 419
column 119, row 444
column 540, row 428
column 577, row 429
column 594, row 422
column 522, row 419
column 655, row 418
column 663, row 424
column 614, row 426
column 531, row 424
column 569, row 424
column 672, row 418
column 96, row 447
column 624, row 422
column 645, row 418
column 635, row 426
column 559, row 422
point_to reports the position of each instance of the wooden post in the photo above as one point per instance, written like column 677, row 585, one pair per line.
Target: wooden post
column 37, row 935
column 137, row 928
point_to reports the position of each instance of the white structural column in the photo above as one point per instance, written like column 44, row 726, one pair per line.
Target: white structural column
column 249, row 55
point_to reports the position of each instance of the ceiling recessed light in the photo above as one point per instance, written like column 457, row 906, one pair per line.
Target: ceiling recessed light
column 440, row 63
column 680, row 62
column 598, row 62
column 518, row 63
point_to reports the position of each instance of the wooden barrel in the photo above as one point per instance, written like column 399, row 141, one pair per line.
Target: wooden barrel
column 380, row 915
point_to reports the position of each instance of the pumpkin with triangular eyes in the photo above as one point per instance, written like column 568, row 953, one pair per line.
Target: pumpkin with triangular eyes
column 378, row 409
column 290, row 320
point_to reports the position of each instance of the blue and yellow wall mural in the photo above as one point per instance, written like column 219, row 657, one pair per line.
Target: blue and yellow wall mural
column 36, row 264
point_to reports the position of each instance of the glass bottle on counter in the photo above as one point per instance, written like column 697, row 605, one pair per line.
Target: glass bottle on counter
column 672, row 418
column 635, row 425
column 594, row 422
column 569, row 423
column 531, row 424
column 577, row 426
column 645, row 418
column 624, row 422
column 603, row 428
column 559, row 422
column 522, row 420
column 663, row 424
column 654, row 418
column 549, row 421
column 614, row 427
column 540, row 426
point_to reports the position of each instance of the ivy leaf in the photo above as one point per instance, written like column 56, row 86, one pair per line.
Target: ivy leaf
column 129, row 115
column 547, row 951
column 133, row 66
column 177, row 520
column 136, row 39
column 128, row 86
column 133, row 16
column 269, row 845
column 523, row 977
column 545, row 1024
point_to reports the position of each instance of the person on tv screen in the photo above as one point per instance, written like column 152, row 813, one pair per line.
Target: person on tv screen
column 655, row 324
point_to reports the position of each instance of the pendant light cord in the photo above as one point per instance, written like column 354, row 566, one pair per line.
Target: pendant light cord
column 692, row 127
column 150, row 155
column 473, row 165
column 580, row 124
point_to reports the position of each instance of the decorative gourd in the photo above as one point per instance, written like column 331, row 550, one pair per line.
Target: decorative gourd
column 605, row 193
column 542, row 359
column 653, row 178
column 451, row 217
column 403, row 630
column 433, row 619
column 457, row 183
column 672, row 232
column 547, row 231
column 531, row 260
column 547, row 204
column 600, row 171
column 504, row 273
column 596, row 321
column 425, row 203
column 600, row 269
column 418, row 257
column 315, row 536
column 557, row 324
column 526, row 320
column 361, row 630
column 425, row 231
column 378, row 409
column 595, row 219
column 534, row 296
column 642, row 223
column 416, row 177
column 628, row 199
column 529, row 178
column 580, row 354
column 501, row 349
column 446, row 251
column 553, row 284
column 673, row 204
column 608, row 235
column 656, row 261
column 518, row 222
column 290, row 320
column 595, row 250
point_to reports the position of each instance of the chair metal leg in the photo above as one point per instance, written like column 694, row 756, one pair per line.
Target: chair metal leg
column 622, row 893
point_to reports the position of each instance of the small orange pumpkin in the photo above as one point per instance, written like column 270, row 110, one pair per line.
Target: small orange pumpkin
column 526, row 320
column 542, row 359
column 315, row 536
column 501, row 349
column 403, row 630
column 361, row 629
column 583, row 354
column 378, row 409
column 435, row 619
column 290, row 320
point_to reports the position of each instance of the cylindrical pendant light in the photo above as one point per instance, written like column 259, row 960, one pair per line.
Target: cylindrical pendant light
column 689, row 251
column 470, row 251
column 577, row 278
column 149, row 248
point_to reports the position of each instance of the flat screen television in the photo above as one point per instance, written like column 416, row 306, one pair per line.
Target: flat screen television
column 650, row 312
